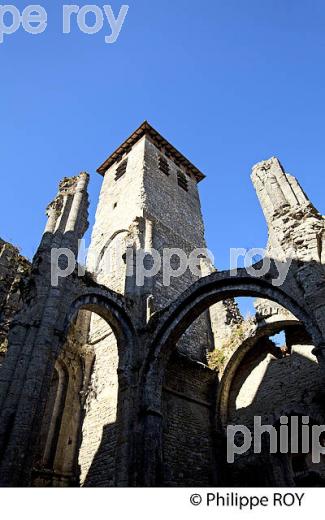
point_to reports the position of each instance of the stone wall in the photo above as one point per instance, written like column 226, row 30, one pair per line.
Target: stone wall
column 269, row 383
column 296, row 232
column 14, row 274
column 99, row 428
column 265, row 385
column 188, row 409
column 168, row 203
column 296, row 228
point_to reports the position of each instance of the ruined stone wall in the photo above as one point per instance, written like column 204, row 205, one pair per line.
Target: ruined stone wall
column 99, row 428
column 188, row 410
column 146, row 208
column 225, row 318
column 36, row 337
column 267, row 311
column 269, row 383
column 296, row 228
column 119, row 207
column 58, row 444
column 296, row 235
column 265, row 385
column 14, row 274
column 296, row 231
column 270, row 386
column 197, row 340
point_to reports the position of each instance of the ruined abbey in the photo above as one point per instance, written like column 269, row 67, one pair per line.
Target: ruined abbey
column 108, row 382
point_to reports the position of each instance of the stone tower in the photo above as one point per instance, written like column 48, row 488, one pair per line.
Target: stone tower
column 149, row 202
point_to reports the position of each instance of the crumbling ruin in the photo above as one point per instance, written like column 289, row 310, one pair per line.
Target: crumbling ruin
column 107, row 382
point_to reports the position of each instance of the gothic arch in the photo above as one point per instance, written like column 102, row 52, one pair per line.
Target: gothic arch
column 237, row 357
column 112, row 308
column 172, row 323
column 106, row 246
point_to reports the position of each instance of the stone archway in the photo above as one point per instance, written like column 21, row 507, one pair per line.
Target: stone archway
column 111, row 307
column 248, row 344
column 26, row 405
column 113, row 312
column 172, row 323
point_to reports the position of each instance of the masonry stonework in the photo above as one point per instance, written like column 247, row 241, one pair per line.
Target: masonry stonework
column 105, row 381
column 14, row 274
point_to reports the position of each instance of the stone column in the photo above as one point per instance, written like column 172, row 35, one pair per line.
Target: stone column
column 34, row 344
column 298, row 229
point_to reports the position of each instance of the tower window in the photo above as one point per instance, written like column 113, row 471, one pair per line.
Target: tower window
column 163, row 165
column 118, row 158
column 182, row 180
column 121, row 169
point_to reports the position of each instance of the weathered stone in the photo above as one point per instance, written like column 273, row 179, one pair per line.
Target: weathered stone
column 14, row 276
column 106, row 382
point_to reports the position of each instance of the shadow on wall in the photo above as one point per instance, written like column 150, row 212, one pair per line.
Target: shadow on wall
column 165, row 330
column 79, row 435
column 270, row 378
column 101, row 473
column 269, row 383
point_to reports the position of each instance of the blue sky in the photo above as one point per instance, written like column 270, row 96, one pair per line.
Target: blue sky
column 228, row 82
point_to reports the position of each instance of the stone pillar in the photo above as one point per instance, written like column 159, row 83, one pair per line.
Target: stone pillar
column 296, row 233
column 300, row 195
column 34, row 342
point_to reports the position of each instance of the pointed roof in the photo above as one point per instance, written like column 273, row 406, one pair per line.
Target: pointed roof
column 159, row 141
